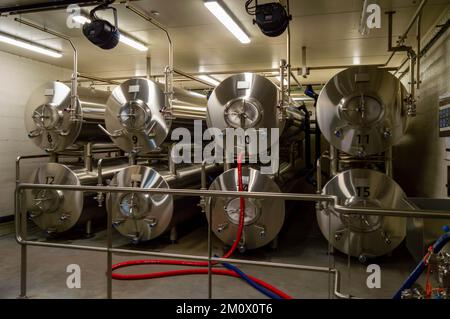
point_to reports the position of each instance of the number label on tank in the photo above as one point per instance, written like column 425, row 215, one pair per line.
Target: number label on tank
column 243, row 85
column 49, row 179
column 133, row 89
column 49, row 138
column 362, row 139
column 363, row 191
column 134, row 138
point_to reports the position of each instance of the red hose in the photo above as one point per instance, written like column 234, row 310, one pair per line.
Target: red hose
column 197, row 271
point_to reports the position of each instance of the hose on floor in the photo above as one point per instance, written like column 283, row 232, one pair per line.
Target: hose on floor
column 232, row 271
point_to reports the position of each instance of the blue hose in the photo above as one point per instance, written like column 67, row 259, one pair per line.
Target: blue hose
column 438, row 245
column 251, row 282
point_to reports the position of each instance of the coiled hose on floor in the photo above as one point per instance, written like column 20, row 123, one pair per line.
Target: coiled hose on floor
column 232, row 271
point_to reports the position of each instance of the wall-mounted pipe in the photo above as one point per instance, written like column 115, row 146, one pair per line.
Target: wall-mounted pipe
column 288, row 53
column 168, row 72
column 412, row 21
column 418, row 38
column 74, row 80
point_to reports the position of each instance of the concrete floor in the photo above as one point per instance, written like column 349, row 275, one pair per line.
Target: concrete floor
column 300, row 242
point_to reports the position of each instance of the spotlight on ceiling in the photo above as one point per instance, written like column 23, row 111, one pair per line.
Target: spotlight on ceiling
column 271, row 18
column 101, row 32
column 81, row 19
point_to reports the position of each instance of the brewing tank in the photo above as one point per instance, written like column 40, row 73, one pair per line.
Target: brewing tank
column 136, row 117
column 263, row 217
column 142, row 217
column 246, row 101
column 57, row 211
column 363, row 235
column 362, row 111
column 48, row 122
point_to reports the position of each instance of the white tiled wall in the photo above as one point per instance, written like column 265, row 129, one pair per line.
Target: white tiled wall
column 18, row 78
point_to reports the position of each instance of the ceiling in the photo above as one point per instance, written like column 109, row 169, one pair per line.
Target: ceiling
column 328, row 28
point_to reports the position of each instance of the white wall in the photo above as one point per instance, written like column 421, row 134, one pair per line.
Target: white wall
column 18, row 78
column 419, row 161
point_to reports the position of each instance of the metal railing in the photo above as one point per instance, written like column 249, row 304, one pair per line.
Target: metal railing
column 331, row 201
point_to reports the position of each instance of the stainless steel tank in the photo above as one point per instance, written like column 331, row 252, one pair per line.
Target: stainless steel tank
column 263, row 217
column 47, row 117
column 362, row 111
column 143, row 217
column 245, row 101
column 57, row 211
column 136, row 119
column 360, row 235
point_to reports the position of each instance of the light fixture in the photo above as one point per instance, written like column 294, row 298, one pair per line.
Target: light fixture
column 122, row 38
column 5, row 38
column 356, row 60
column 221, row 14
column 209, row 79
column 271, row 18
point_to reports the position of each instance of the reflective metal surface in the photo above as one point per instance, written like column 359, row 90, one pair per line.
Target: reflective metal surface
column 360, row 235
column 245, row 101
column 57, row 211
column 135, row 115
column 263, row 217
column 361, row 110
column 142, row 217
column 137, row 216
column 47, row 118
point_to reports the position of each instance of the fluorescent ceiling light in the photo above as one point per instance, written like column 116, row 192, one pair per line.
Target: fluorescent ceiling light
column 356, row 60
column 209, row 79
column 29, row 46
column 132, row 43
column 216, row 9
column 123, row 38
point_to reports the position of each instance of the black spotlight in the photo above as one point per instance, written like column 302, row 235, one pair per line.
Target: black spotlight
column 101, row 32
column 271, row 17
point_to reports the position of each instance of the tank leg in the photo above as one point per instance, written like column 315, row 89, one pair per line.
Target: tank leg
column 274, row 244
column 173, row 235
column 88, row 232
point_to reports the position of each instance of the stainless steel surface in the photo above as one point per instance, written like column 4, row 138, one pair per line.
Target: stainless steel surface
column 136, row 116
column 263, row 217
column 48, row 122
column 142, row 217
column 361, row 110
column 246, row 96
column 421, row 232
column 57, row 211
column 363, row 235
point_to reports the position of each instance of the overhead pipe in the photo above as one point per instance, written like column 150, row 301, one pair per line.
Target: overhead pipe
column 413, row 20
column 74, row 80
column 168, row 72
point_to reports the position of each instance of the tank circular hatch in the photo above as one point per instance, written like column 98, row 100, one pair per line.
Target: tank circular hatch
column 140, row 216
column 246, row 101
column 362, row 110
column 54, row 211
column 263, row 217
column 134, row 116
column 47, row 120
column 364, row 235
